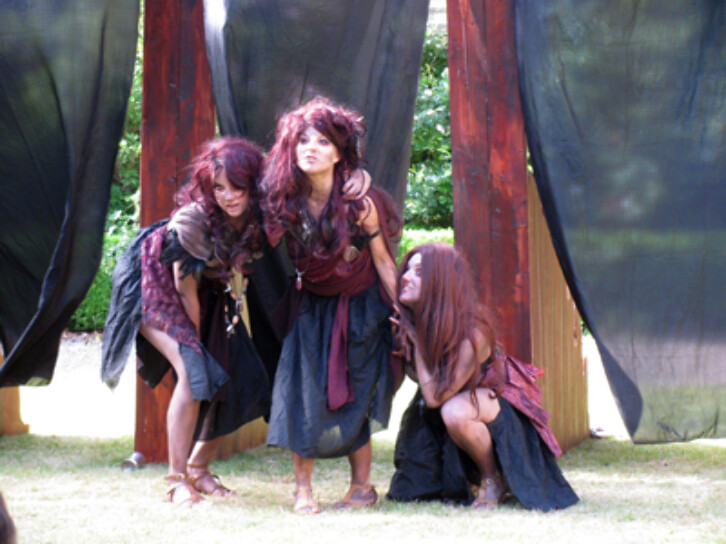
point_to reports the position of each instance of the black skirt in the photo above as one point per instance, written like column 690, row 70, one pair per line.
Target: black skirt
column 429, row 466
column 301, row 420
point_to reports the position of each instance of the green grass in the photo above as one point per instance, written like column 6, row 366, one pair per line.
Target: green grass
column 415, row 237
column 69, row 489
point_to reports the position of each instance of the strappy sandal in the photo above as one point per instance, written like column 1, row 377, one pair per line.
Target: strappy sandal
column 304, row 502
column 358, row 496
column 182, row 492
column 216, row 489
column 490, row 495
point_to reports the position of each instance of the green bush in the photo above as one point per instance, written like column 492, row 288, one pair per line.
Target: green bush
column 91, row 314
column 415, row 237
column 428, row 197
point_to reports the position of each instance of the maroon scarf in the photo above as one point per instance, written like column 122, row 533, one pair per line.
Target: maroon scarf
column 516, row 382
column 324, row 278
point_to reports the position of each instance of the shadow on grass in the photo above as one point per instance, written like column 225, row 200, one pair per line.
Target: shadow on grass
column 59, row 454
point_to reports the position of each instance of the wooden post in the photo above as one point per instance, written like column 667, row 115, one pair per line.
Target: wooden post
column 490, row 163
column 496, row 219
column 177, row 116
column 10, row 420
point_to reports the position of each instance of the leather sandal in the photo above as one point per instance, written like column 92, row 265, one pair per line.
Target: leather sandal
column 182, row 492
column 358, row 496
column 491, row 493
column 304, row 502
column 214, row 486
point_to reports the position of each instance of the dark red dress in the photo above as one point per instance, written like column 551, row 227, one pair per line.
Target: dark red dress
column 225, row 372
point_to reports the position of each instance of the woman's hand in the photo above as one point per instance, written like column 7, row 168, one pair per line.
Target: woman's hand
column 357, row 185
column 405, row 346
column 405, row 338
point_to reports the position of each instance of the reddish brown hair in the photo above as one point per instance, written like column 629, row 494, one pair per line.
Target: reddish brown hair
column 242, row 161
column 288, row 187
column 447, row 311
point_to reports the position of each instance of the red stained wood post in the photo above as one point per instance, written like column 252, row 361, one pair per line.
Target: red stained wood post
column 177, row 116
column 490, row 163
column 494, row 219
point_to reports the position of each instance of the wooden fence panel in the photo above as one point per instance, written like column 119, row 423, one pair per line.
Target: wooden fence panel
column 556, row 333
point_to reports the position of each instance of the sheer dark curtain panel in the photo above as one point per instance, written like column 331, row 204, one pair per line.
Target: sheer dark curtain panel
column 268, row 56
column 625, row 113
column 65, row 75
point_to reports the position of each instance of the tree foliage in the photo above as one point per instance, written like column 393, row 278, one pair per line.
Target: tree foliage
column 428, row 196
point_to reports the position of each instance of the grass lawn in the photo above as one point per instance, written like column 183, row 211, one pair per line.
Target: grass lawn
column 63, row 484
column 71, row 489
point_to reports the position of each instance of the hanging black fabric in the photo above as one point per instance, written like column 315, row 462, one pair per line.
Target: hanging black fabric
column 65, row 76
column 268, row 56
column 625, row 114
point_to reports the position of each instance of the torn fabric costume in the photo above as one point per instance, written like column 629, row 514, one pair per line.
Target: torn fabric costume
column 335, row 378
column 430, row 466
column 225, row 372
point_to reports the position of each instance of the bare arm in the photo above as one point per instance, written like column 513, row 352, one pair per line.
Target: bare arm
column 382, row 260
column 187, row 289
column 357, row 185
column 467, row 363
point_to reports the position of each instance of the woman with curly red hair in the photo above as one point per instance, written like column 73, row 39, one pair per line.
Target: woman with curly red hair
column 181, row 285
column 476, row 420
column 334, row 380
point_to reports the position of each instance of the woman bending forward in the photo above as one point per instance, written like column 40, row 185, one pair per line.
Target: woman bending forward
column 180, row 284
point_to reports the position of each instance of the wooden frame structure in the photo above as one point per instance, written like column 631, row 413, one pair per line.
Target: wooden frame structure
column 498, row 221
column 497, row 216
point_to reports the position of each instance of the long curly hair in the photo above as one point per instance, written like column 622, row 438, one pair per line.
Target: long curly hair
column 287, row 186
column 447, row 311
column 241, row 160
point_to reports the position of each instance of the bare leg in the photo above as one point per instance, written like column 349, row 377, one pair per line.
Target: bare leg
column 198, row 469
column 360, row 466
column 361, row 493
column 467, row 427
column 181, row 416
column 304, row 503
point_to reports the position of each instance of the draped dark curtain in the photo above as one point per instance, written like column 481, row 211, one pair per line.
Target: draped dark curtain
column 268, row 56
column 65, row 76
column 625, row 113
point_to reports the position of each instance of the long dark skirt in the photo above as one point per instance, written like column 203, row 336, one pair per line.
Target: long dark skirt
column 301, row 420
column 429, row 466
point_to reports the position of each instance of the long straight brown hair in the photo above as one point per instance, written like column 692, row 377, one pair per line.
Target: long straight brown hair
column 447, row 312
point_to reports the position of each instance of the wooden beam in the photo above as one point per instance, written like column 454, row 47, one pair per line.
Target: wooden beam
column 177, row 116
column 10, row 420
column 490, row 163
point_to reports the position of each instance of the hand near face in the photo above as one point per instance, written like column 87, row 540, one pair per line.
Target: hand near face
column 405, row 338
column 357, row 185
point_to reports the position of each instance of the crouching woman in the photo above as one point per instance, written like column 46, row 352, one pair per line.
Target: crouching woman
column 475, row 432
